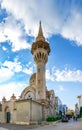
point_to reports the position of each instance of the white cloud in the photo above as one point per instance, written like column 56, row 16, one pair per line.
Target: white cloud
column 9, row 68
column 66, row 75
column 10, row 88
column 5, row 74
column 2, row 36
column 13, row 66
column 16, row 66
column 69, row 75
column 49, row 76
column 12, row 31
column 62, row 17
column 4, row 48
column 28, row 70
column 73, row 29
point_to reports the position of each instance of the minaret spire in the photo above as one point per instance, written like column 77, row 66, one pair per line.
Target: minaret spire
column 40, row 34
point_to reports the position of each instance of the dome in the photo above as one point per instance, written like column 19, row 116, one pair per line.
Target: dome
column 33, row 79
column 28, row 93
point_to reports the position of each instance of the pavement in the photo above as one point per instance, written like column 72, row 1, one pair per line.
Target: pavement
column 44, row 124
column 17, row 127
column 71, row 125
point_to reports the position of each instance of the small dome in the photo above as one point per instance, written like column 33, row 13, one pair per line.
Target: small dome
column 33, row 79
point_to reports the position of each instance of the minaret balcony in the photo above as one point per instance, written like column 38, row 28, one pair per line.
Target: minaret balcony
column 40, row 44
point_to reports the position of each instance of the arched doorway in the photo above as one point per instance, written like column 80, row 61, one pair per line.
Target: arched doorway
column 8, row 115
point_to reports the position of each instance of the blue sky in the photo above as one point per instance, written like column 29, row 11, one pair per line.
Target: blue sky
column 62, row 27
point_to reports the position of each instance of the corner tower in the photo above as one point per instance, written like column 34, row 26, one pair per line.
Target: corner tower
column 40, row 50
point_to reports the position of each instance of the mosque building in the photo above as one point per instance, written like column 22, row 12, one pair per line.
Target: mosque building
column 36, row 102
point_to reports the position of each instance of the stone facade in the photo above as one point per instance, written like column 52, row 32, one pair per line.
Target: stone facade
column 20, row 111
column 35, row 102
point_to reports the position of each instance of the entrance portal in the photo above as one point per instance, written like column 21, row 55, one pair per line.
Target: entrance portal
column 7, row 114
column 8, row 117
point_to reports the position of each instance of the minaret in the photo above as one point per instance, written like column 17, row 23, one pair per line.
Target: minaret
column 40, row 50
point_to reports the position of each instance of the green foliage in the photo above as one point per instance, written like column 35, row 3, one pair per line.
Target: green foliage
column 53, row 118
column 81, row 111
column 50, row 118
column 72, row 113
